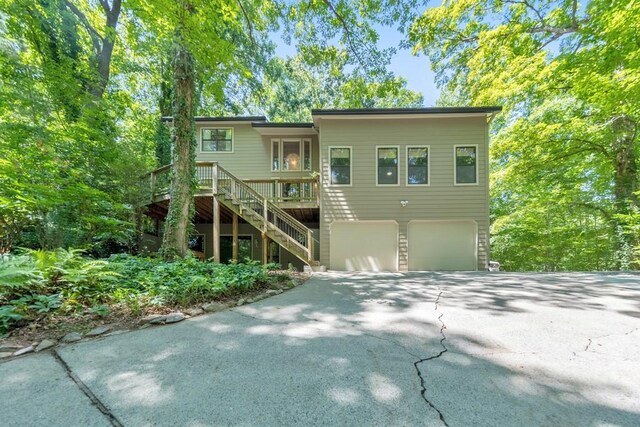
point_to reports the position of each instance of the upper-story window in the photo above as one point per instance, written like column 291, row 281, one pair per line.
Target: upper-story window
column 418, row 165
column 387, row 165
column 340, row 165
column 217, row 140
column 290, row 155
column 466, row 164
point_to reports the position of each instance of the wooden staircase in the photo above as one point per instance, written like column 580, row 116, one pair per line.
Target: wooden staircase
column 263, row 214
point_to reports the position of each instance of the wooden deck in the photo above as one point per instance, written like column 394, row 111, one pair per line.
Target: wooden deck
column 275, row 207
column 287, row 193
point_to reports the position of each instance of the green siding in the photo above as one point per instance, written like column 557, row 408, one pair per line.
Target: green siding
column 251, row 156
column 364, row 200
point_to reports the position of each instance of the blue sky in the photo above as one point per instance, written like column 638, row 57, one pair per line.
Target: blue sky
column 415, row 69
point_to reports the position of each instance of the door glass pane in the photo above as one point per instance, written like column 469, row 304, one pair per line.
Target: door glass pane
column 291, row 155
column 387, row 165
column 244, row 248
column 307, row 155
column 274, row 252
column 417, row 165
column 275, row 161
column 226, row 248
column 465, row 165
column 340, row 166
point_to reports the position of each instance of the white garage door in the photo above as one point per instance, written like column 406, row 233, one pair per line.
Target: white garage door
column 364, row 246
column 443, row 245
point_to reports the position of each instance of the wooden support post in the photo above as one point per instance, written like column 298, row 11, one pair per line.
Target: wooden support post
column 266, row 216
column 265, row 247
column 310, row 244
column 235, row 236
column 214, row 180
column 152, row 179
column 216, row 230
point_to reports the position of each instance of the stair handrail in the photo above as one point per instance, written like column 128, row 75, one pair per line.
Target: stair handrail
column 283, row 215
column 238, row 183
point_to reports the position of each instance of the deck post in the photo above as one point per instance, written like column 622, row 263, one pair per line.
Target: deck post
column 216, row 214
column 310, row 244
column 266, row 216
column 235, row 237
column 216, row 229
column 152, row 180
column 214, row 179
column 265, row 247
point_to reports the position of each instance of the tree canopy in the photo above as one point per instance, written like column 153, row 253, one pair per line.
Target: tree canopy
column 564, row 153
column 85, row 83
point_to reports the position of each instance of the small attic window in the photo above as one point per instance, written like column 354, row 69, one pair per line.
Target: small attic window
column 217, row 140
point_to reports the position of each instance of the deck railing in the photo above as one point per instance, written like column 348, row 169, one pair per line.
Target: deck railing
column 272, row 217
column 282, row 190
column 276, row 190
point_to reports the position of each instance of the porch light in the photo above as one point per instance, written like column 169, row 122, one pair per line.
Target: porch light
column 404, row 203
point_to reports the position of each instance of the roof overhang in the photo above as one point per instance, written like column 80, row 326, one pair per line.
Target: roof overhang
column 404, row 113
column 227, row 120
column 302, row 129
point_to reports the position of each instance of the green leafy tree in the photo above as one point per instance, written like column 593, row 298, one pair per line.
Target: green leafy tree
column 565, row 150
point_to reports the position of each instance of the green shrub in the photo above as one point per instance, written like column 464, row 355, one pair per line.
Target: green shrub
column 39, row 281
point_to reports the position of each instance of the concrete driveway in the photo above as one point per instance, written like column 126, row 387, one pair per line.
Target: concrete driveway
column 453, row 349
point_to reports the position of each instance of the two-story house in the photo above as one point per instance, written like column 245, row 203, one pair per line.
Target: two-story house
column 364, row 189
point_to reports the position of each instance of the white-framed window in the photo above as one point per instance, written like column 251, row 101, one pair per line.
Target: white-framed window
column 290, row 155
column 465, row 164
column 216, row 140
column 418, row 165
column 387, row 165
column 340, row 166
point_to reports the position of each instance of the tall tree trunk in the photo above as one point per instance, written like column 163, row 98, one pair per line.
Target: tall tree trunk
column 165, row 104
column 174, row 243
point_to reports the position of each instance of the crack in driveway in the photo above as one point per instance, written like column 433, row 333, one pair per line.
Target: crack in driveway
column 86, row 390
column 423, row 391
column 396, row 343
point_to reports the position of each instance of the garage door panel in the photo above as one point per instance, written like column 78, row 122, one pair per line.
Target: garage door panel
column 364, row 246
column 442, row 245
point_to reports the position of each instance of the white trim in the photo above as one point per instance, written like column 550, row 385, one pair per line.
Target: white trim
column 406, row 170
column 233, row 140
column 350, row 184
column 300, row 142
column 455, row 168
column 397, row 184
